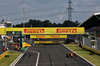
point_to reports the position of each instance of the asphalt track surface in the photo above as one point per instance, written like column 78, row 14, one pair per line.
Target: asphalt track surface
column 50, row 55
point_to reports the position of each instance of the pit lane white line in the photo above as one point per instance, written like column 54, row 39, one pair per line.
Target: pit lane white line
column 79, row 56
column 37, row 56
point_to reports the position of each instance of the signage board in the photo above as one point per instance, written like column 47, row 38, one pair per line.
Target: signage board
column 48, row 30
column 48, row 36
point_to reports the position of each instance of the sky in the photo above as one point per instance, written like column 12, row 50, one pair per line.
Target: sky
column 19, row 11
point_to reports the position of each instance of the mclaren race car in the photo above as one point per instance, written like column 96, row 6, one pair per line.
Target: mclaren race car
column 71, row 54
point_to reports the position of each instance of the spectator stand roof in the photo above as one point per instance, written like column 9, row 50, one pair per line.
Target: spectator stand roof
column 93, row 21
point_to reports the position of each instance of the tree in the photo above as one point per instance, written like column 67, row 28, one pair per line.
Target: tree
column 68, row 23
column 47, row 23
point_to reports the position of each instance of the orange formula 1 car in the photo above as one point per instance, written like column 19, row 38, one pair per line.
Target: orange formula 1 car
column 71, row 54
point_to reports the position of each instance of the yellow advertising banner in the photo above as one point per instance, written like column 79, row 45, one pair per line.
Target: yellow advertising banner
column 47, row 30
column 44, row 42
column 2, row 31
column 48, row 36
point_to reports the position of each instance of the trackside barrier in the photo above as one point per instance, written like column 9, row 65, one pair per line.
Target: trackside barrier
column 90, row 49
column 2, row 55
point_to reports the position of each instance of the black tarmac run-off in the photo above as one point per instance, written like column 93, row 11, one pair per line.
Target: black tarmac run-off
column 50, row 55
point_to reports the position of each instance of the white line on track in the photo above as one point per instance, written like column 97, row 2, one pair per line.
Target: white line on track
column 79, row 55
column 37, row 56
column 18, row 58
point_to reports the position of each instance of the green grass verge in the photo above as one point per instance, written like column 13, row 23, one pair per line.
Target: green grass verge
column 95, row 59
column 7, row 61
column 23, row 48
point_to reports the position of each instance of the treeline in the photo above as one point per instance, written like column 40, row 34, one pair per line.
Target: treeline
column 47, row 23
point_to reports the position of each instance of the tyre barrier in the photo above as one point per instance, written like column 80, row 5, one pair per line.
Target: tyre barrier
column 91, row 50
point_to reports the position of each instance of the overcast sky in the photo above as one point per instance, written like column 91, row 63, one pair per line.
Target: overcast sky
column 53, row 10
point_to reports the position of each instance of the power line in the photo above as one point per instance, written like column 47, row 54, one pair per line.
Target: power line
column 86, row 5
column 40, row 16
column 30, row 11
column 52, row 14
column 85, row 11
column 44, row 9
